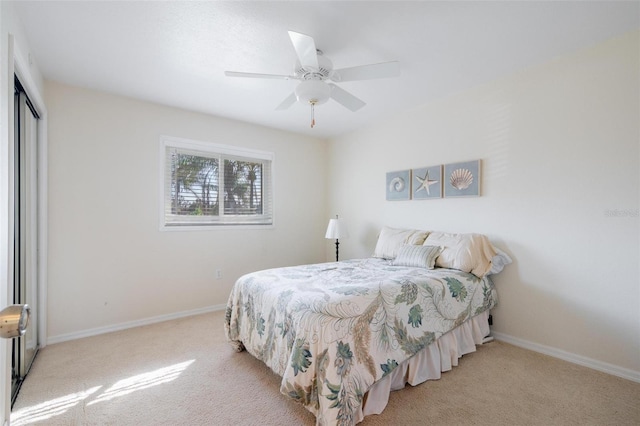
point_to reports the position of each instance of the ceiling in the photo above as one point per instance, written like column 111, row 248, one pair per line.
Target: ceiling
column 175, row 52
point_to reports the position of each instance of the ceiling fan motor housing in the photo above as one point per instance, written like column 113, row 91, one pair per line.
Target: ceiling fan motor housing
column 325, row 66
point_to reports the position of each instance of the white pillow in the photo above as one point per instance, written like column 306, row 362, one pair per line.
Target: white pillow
column 499, row 261
column 417, row 256
column 391, row 239
column 465, row 252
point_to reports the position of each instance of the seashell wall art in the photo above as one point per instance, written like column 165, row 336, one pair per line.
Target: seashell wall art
column 462, row 179
column 399, row 185
column 426, row 183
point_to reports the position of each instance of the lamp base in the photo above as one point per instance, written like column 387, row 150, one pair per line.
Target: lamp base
column 337, row 244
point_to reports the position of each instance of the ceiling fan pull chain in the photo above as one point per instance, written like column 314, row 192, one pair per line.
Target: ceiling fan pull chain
column 313, row 115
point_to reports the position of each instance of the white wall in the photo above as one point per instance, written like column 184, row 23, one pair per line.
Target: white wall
column 560, row 151
column 108, row 262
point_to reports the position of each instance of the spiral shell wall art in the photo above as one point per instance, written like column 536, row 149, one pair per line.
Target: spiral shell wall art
column 399, row 185
column 396, row 184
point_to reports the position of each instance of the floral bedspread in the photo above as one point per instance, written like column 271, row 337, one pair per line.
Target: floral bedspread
column 332, row 330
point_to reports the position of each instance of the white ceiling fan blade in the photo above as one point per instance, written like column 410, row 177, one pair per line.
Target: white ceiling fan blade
column 305, row 49
column 288, row 101
column 345, row 98
column 367, row 72
column 257, row 75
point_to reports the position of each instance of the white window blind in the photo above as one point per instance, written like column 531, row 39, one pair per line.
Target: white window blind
column 208, row 185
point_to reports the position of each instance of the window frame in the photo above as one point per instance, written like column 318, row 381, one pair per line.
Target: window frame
column 223, row 152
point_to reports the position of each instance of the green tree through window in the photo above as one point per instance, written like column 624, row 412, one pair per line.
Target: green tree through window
column 194, row 188
column 240, row 181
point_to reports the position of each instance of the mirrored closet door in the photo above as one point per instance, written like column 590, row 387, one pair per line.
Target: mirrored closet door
column 25, row 194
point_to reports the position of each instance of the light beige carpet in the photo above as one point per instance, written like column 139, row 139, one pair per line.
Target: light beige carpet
column 183, row 372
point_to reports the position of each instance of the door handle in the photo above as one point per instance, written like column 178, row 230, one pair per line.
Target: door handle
column 14, row 320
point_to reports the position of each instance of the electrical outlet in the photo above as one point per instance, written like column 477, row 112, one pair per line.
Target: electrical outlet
column 218, row 274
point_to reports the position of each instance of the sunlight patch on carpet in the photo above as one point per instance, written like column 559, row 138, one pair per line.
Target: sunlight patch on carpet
column 49, row 409
column 142, row 381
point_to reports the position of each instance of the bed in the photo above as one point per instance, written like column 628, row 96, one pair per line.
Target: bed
column 342, row 335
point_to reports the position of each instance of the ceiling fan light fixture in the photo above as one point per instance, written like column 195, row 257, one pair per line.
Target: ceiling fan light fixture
column 314, row 92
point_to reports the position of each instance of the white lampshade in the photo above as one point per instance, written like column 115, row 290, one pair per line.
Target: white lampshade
column 313, row 91
column 336, row 229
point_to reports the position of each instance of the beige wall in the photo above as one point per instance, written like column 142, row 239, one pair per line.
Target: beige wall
column 560, row 150
column 108, row 262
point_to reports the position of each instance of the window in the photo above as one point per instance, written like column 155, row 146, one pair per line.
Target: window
column 212, row 185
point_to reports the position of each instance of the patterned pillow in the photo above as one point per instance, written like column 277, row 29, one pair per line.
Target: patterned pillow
column 417, row 256
column 391, row 239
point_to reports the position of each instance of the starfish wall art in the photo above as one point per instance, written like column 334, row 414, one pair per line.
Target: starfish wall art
column 427, row 183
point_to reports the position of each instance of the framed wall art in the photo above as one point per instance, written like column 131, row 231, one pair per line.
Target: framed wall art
column 426, row 183
column 462, row 179
column 399, row 185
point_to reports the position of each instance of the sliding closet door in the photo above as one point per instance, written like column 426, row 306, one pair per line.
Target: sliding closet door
column 26, row 233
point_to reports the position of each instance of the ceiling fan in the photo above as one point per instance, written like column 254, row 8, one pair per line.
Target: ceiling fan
column 315, row 70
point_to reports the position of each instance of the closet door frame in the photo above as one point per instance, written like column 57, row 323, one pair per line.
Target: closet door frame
column 21, row 70
column 15, row 63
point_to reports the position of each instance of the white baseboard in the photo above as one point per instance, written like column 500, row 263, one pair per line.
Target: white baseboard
column 614, row 370
column 130, row 324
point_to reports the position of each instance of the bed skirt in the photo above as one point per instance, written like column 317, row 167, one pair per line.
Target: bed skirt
column 428, row 364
